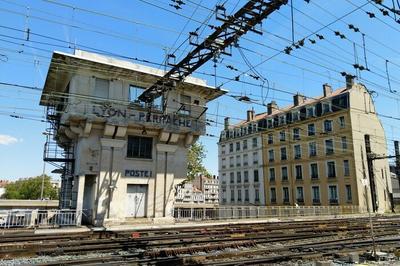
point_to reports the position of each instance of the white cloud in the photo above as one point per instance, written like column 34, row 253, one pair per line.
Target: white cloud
column 7, row 140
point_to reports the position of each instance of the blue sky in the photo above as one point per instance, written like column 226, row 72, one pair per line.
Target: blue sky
column 138, row 29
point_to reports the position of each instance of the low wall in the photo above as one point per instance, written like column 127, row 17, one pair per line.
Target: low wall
column 28, row 204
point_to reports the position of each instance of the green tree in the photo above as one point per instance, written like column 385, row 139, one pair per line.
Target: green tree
column 30, row 188
column 196, row 154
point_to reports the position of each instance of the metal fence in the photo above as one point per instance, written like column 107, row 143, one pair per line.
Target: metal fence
column 252, row 212
column 39, row 218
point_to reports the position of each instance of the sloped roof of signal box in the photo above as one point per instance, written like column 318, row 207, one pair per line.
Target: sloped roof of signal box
column 64, row 65
column 308, row 101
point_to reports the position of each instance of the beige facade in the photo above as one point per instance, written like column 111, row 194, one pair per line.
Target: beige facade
column 326, row 159
column 122, row 158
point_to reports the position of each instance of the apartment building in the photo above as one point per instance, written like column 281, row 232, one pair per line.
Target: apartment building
column 187, row 193
column 119, row 158
column 241, row 179
column 315, row 151
column 201, row 189
column 209, row 186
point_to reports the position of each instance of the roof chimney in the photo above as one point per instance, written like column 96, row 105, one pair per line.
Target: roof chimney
column 327, row 89
column 271, row 107
column 349, row 81
column 250, row 115
column 298, row 99
column 226, row 123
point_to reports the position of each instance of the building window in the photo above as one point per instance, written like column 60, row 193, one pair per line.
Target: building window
column 246, row 176
column 223, row 179
column 284, row 171
column 101, row 88
column 134, row 93
column 311, row 129
column 299, row 172
column 255, row 157
column 238, row 163
column 314, row 170
column 285, row 195
column 230, row 147
column 310, row 112
column 299, row 194
column 329, row 146
column 140, row 147
column 282, row 135
column 256, row 176
column 254, row 142
column 312, row 149
column 344, row 143
column 296, row 133
column 315, row 194
column 297, row 151
column 348, row 193
column 245, row 144
column 232, row 177
column 224, row 195
column 246, row 195
column 328, row 125
column 326, row 107
column 238, row 177
column 223, row 163
column 237, row 146
column 282, row 120
column 333, row 196
column 223, row 149
column 331, row 169
column 245, row 160
column 239, row 195
column 186, row 104
column 283, row 154
column 232, row 195
column 271, row 155
column 346, row 168
column 272, row 174
column 342, row 123
column 295, row 116
column 231, row 164
column 256, row 195
column 270, row 138
column 273, row 195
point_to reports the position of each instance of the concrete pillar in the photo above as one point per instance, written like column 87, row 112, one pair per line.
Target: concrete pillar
column 163, row 196
column 80, row 180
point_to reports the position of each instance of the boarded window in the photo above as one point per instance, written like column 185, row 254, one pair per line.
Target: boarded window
column 101, row 88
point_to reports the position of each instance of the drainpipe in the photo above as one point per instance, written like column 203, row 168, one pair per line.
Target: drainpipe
column 165, row 178
column 110, row 171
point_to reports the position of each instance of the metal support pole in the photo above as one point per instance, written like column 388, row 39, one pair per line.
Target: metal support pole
column 371, row 173
column 397, row 153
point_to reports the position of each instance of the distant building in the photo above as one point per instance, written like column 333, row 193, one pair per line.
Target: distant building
column 187, row 193
column 3, row 184
column 202, row 190
column 395, row 185
column 209, row 186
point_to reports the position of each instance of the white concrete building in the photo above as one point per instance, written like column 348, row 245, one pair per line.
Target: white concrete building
column 120, row 158
column 209, row 186
column 187, row 193
column 240, row 170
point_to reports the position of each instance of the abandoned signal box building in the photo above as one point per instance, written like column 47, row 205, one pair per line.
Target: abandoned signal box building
column 119, row 158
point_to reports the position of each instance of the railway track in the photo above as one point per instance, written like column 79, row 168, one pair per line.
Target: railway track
column 183, row 246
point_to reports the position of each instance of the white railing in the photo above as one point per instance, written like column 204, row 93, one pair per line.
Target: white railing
column 39, row 218
column 254, row 212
